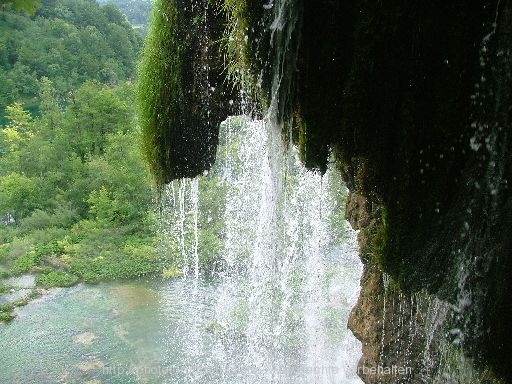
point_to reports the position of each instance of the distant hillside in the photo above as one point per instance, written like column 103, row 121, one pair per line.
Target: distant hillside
column 136, row 11
column 67, row 41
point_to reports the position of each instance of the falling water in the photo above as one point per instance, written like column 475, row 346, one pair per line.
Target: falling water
column 179, row 235
column 277, row 311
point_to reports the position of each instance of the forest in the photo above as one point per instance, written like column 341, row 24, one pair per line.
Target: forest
column 76, row 202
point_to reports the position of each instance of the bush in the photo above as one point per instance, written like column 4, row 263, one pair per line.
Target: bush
column 63, row 217
column 25, row 262
column 15, row 249
column 4, row 288
column 4, row 274
column 37, row 220
column 4, row 251
column 6, row 315
column 113, row 253
column 7, row 233
column 56, row 279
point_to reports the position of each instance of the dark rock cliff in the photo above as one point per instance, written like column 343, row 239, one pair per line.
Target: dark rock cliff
column 414, row 100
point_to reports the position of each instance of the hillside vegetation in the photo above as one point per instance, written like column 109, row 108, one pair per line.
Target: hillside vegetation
column 75, row 200
column 67, row 41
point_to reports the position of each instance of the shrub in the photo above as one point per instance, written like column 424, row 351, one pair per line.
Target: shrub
column 56, row 279
column 25, row 262
column 6, row 316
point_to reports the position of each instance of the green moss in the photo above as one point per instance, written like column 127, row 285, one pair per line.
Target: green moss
column 457, row 365
column 234, row 43
column 241, row 42
column 159, row 92
column 181, row 93
column 376, row 244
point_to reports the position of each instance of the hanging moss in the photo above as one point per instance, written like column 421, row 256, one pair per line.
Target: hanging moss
column 235, row 47
column 181, row 96
column 159, row 92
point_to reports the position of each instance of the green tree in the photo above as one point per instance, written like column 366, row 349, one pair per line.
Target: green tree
column 18, row 195
column 19, row 119
column 27, row 6
column 94, row 112
column 103, row 206
column 122, row 171
column 69, row 42
column 51, row 113
column 14, row 138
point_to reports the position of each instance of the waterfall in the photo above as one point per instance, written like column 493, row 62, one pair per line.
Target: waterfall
column 290, row 266
column 276, row 266
column 258, row 229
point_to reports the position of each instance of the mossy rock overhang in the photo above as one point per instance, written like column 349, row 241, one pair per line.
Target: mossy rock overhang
column 393, row 89
column 182, row 96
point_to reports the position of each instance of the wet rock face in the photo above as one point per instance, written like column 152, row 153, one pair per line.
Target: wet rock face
column 414, row 100
column 416, row 337
column 425, row 138
column 182, row 94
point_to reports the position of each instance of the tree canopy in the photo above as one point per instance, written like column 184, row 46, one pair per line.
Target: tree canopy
column 67, row 41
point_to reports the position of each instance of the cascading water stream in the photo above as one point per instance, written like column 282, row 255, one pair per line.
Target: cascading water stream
column 276, row 311
column 179, row 215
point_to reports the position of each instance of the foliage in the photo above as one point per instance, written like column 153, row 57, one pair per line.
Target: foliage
column 18, row 194
column 67, row 41
column 4, row 288
column 52, row 278
column 25, row 262
column 27, row 6
column 62, row 217
column 75, row 197
column 136, row 11
column 6, row 314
